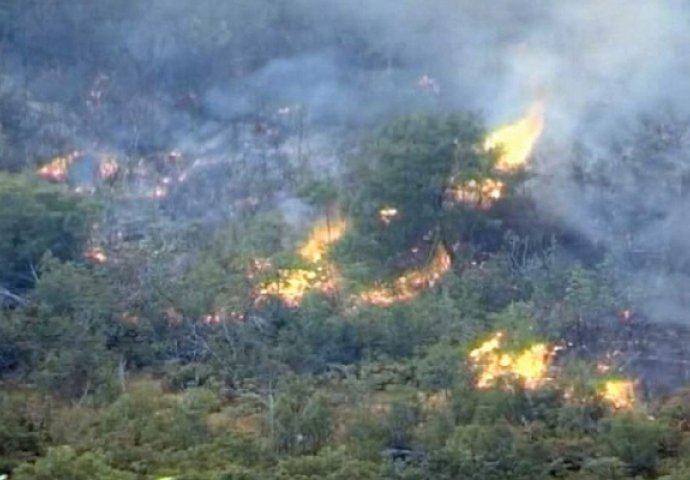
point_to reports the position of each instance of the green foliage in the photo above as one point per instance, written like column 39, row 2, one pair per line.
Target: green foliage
column 330, row 465
column 409, row 166
column 439, row 369
column 636, row 440
column 319, row 193
column 484, row 453
column 301, row 421
column 63, row 463
column 129, row 381
column 68, row 329
column 36, row 218
column 20, row 438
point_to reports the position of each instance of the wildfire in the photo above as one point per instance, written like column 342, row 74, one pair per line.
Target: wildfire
column 481, row 194
column 619, row 393
column 324, row 234
column 158, row 192
column 529, row 366
column 320, row 275
column 96, row 255
column 387, row 214
column 410, row 284
column 292, row 285
column 108, row 168
column 58, row 167
column 517, row 140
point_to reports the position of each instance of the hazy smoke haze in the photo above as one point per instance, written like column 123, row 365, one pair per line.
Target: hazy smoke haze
column 168, row 74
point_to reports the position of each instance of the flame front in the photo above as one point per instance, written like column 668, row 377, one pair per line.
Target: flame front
column 620, row 394
column 529, row 366
column 516, row 141
column 324, row 234
column 478, row 194
column 58, row 167
column 409, row 285
column 293, row 284
column 320, row 275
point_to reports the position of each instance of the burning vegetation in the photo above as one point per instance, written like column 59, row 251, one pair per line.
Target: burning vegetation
column 388, row 214
column 56, row 169
column 96, row 254
column 409, row 285
column 516, row 141
column 530, row 366
column 620, row 394
column 291, row 285
column 480, row 195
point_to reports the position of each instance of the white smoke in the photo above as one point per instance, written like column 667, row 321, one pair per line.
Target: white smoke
column 612, row 74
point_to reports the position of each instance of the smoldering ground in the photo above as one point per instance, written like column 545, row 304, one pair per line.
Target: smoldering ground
column 143, row 76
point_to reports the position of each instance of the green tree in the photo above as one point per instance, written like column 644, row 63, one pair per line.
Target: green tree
column 479, row 452
column 410, row 166
column 67, row 330
column 36, row 218
column 439, row 369
column 329, row 465
column 636, row 440
column 63, row 463
column 300, row 421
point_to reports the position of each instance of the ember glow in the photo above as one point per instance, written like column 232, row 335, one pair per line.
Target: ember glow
column 478, row 194
column 108, row 168
column 58, row 167
column 320, row 275
column 408, row 286
column 387, row 214
column 529, row 366
column 160, row 191
column 516, row 140
column 96, row 255
column 620, row 394
column 293, row 284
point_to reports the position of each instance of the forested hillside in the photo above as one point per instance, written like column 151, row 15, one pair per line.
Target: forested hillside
column 317, row 239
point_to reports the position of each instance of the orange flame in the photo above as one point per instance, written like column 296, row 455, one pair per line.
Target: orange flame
column 96, row 255
column 480, row 194
column 620, row 394
column 517, row 140
column 387, row 214
column 293, row 284
column 408, row 286
column 530, row 366
column 58, row 167
column 324, row 234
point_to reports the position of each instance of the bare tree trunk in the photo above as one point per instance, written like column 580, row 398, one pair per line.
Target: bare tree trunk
column 122, row 374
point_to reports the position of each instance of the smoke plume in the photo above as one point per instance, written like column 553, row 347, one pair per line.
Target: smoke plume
column 256, row 85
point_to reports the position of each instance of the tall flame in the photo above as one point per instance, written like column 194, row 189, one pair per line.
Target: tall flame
column 517, row 140
column 529, row 366
column 324, row 234
column 320, row 275
column 410, row 284
column 620, row 394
